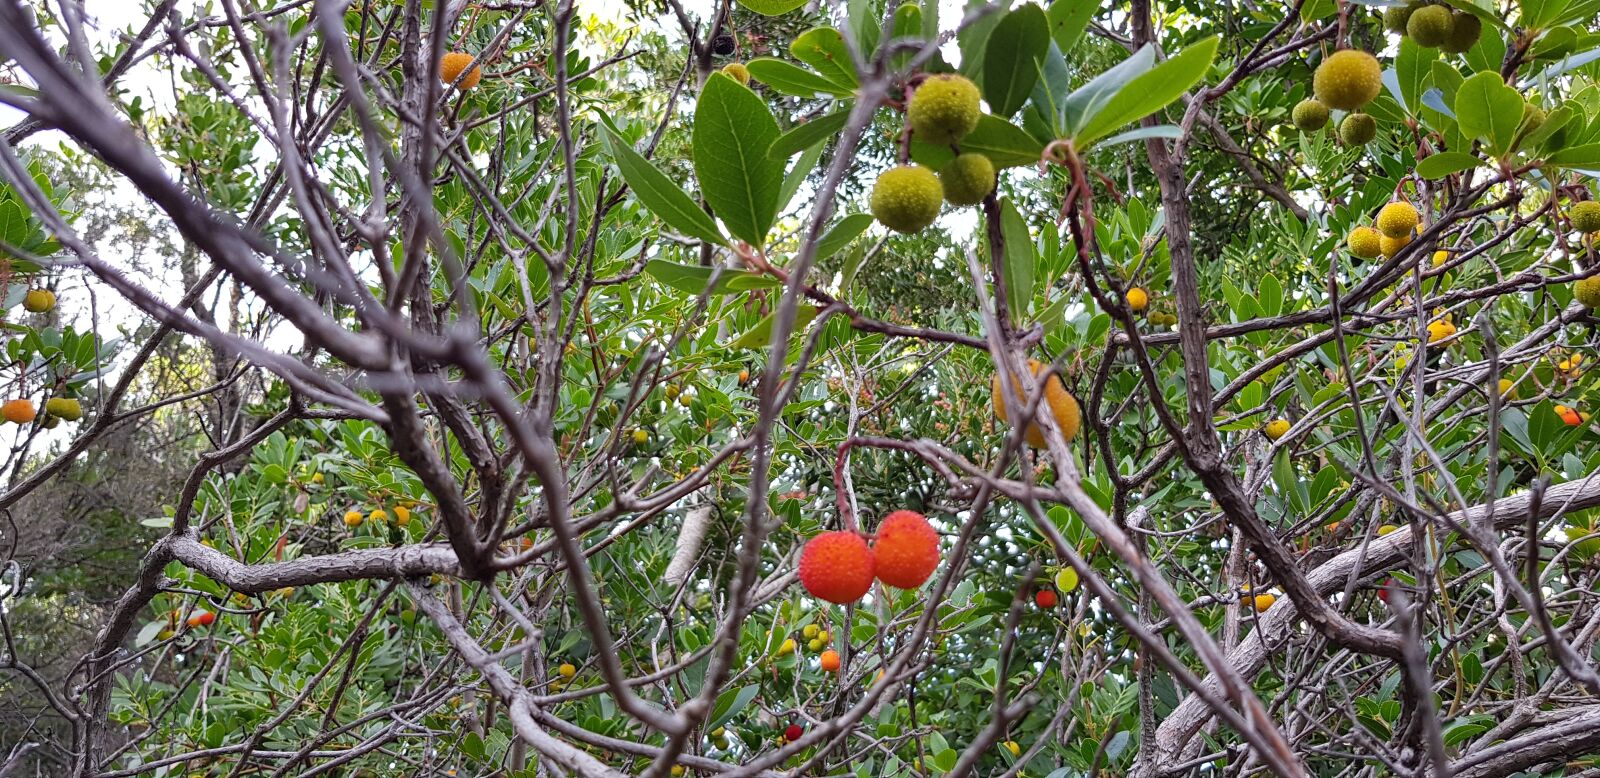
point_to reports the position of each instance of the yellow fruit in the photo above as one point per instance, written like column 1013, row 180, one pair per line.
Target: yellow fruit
column 967, row 179
column 1066, row 580
column 1391, row 246
column 402, row 515
column 1138, row 299
column 1508, row 389
column 1386, row 529
column 640, row 437
column 1440, row 330
column 810, row 631
column 1063, row 407
column 1347, row 79
column 906, row 199
column 39, row 301
column 787, row 647
column 1430, row 25
column 1276, row 428
column 1585, row 216
column 738, row 72
column 1310, row 115
column 1011, row 745
column 825, row 636
column 378, row 514
column 943, row 109
column 1398, row 219
column 685, row 400
column 1358, row 129
column 815, row 644
column 64, row 408
column 567, row 671
column 1263, row 601
column 451, row 65
column 317, row 478
column 352, row 518
column 1584, row 547
column 19, row 411
column 1396, row 16
column 1364, row 242
column 677, row 771
column 1440, row 257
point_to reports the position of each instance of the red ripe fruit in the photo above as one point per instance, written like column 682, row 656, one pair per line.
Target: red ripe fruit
column 202, row 619
column 793, row 732
column 906, row 550
column 1045, row 598
column 837, row 567
column 1383, row 591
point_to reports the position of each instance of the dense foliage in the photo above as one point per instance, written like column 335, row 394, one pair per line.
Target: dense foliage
column 451, row 388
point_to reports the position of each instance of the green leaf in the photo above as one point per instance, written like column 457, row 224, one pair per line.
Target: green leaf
column 804, row 136
column 772, row 7
column 1088, row 100
column 841, row 233
column 823, row 49
column 693, row 279
column 732, row 131
column 1068, row 20
column 1411, row 68
column 907, row 26
column 1577, row 156
column 1012, row 57
column 729, row 703
column 1446, row 163
column 797, row 175
column 791, row 79
column 1006, row 145
column 1152, row 91
column 1270, row 293
column 760, row 336
column 659, row 194
column 1486, row 108
column 1019, row 259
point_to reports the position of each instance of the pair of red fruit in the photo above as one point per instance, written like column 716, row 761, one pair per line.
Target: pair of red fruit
column 839, row 566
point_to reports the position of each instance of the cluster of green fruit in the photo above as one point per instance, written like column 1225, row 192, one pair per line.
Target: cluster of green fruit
column 1395, row 224
column 1585, row 218
column 1346, row 80
column 943, row 110
column 1434, row 25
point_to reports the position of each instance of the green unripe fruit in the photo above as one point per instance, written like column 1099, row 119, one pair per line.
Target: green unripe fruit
column 1347, row 79
column 1398, row 219
column 1358, row 129
column 1465, row 29
column 967, row 179
column 1532, row 119
column 1365, row 242
column 1430, row 26
column 39, row 301
column 943, row 109
column 738, row 72
column 1396, row 16
column 1310, row 115
column 63, row 408
column 907, row 198
column 50, row 422
column 1587, row 291
column 1585, row 216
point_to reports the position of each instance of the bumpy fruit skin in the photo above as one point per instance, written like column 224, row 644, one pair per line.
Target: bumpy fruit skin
column 1391, row 246
column 943, row 109
column 1364, row 242
column 829, row 660
column 640, row 437
column 451, row 65
column 1310, row 115
column 566, row 670
column 402, row 515
column 1347, row 79
column 39, row 301
column 1440, row 330
column 1358, row 129
column 18, row 411
column 1045, row 598
column 64, row 408
column 1262, row 602
column 1587, row 291
column 810, row 631
column 1585, row 216
column 1532, row 119
column 353, row 518
column 738, row 72
column 787, row 647
column 793, row 732
column 906, row 550
column 906, row 199
column 1396, row 16
column 1138, row 299
column 837, row 567
column 378, row 515
column 1465, row 29
column 1440, row 257
column 967, row 179
column 1430, row 25
column 1275, row 429
column 1063, row 406
column 1508, row 389
column 1398, row 219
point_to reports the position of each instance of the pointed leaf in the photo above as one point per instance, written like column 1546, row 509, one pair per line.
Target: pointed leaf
column 1088, row 100
column 1446, row 163
column 1012, row 58
column 823, row 49
column 760, row 336
column 1019, row 259
column 797, row 175
column 1068, row 20
column 841, row 233
column 791, row 79
column 1004, row 143
column 1577, row 156
column 694, row 279
column 657, row 192
column 1152, row 91
column 804, row 136
column 732, row 131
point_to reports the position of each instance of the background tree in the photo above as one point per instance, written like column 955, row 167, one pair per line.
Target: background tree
column 452, row 388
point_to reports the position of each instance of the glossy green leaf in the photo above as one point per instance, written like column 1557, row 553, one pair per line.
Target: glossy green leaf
column 1012, row 58
column 658, row 194
column 694, row 279
column 823, row 49
column 1069, row 19
column 841, row 233
column 804, row 136
column 1019, row 260
column 1446, row 163
column 760, row 336
column 1587, row 157
column 733, row 129
column 1151, row 91
column 1006, row 145
column 1488, row 109
column 788, row 78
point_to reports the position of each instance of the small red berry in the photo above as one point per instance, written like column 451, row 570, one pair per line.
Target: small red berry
column 202, row 619
column 793, row 732
column 1046, row 598
column 1388, row 586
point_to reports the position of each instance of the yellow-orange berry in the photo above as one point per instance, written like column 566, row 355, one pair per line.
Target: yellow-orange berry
column 451, row 65
column 906, row 550
column 837, row 567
